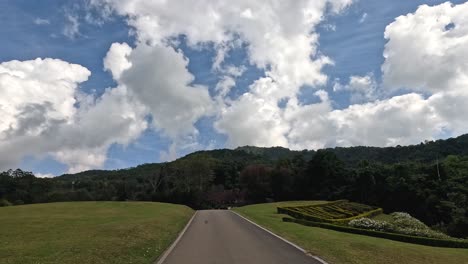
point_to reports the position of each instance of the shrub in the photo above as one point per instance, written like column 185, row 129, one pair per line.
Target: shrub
column 367, row 223
column 403, row 224
column 4, row 202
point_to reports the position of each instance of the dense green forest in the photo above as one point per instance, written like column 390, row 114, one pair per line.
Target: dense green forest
column 429, row 180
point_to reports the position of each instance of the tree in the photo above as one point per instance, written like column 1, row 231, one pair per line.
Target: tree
column 256, row 181
column 326, row 175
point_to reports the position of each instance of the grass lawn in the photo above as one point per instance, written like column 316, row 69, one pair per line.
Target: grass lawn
column 89, row 232
column 338, row 247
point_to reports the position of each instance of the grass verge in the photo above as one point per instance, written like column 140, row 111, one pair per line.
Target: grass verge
column 89, row 232
column 338, row 247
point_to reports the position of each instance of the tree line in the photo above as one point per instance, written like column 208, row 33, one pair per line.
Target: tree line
column 429, row 181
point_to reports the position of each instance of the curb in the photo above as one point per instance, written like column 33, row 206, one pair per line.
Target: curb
column 281, row 238
column 166, row 253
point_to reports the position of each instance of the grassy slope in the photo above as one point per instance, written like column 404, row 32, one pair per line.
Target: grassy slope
column 89, row 232
column 338, row 247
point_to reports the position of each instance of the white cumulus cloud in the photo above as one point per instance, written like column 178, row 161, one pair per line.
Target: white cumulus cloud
column 362, row 88
column 424, row 53
column 40, row 115
column 158, row 77
column 280, row 38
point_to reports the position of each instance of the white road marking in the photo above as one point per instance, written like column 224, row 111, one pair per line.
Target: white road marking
column 285, row 240
column 161, row 259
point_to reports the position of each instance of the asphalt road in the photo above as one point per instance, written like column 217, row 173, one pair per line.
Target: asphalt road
column 222, row 237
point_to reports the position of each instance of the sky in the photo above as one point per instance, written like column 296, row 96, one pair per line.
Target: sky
column 110, row 84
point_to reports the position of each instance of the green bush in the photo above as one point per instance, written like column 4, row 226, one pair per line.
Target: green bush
column 4, row 202
column 453, row 243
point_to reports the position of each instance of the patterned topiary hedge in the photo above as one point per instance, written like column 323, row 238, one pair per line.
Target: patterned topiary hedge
column 341, row 211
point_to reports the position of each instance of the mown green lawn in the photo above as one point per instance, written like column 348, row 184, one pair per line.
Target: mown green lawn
column 89, row 232
column 338, row 247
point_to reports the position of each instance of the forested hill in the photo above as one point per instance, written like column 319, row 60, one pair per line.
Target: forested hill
column 424, row 152
column 428, row 180
column 241, row 156
column 351, row 156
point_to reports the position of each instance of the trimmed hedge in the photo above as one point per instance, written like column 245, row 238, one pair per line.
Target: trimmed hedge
column 337, row 212
column 398, row 237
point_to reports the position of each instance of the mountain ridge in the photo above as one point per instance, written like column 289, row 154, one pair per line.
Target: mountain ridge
column 425, row 152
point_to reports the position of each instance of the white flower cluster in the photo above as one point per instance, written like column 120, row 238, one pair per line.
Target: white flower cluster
column 403, row 223
column 367, row 223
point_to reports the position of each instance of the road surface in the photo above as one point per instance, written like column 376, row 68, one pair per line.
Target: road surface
column 222, row 237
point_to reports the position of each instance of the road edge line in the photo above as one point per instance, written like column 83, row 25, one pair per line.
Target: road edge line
column 166, row 253
column 281, row 238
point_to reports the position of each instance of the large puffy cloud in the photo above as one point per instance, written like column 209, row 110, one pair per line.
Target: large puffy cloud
column 425, row 53
column 157, row 77
column 426, row 50
column 404, row 119
column 47, row 85
column 35, row 95
column 310, row 124
column 160, row 80
column 252, row 120
column 40, row 115
column 434, row 39
column 86, row 140
column 279, row 36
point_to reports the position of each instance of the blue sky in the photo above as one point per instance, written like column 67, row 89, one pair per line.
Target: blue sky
column 353, row 39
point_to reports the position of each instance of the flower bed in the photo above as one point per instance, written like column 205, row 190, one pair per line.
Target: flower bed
column 366, row 223
column 346, row 216
column 403, row 223
column 453, row 243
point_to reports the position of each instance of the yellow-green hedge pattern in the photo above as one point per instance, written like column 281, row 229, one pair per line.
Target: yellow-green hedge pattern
column 338, row 212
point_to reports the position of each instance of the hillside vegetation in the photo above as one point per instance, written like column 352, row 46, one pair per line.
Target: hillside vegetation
column 428, row 180
column 89, row 232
